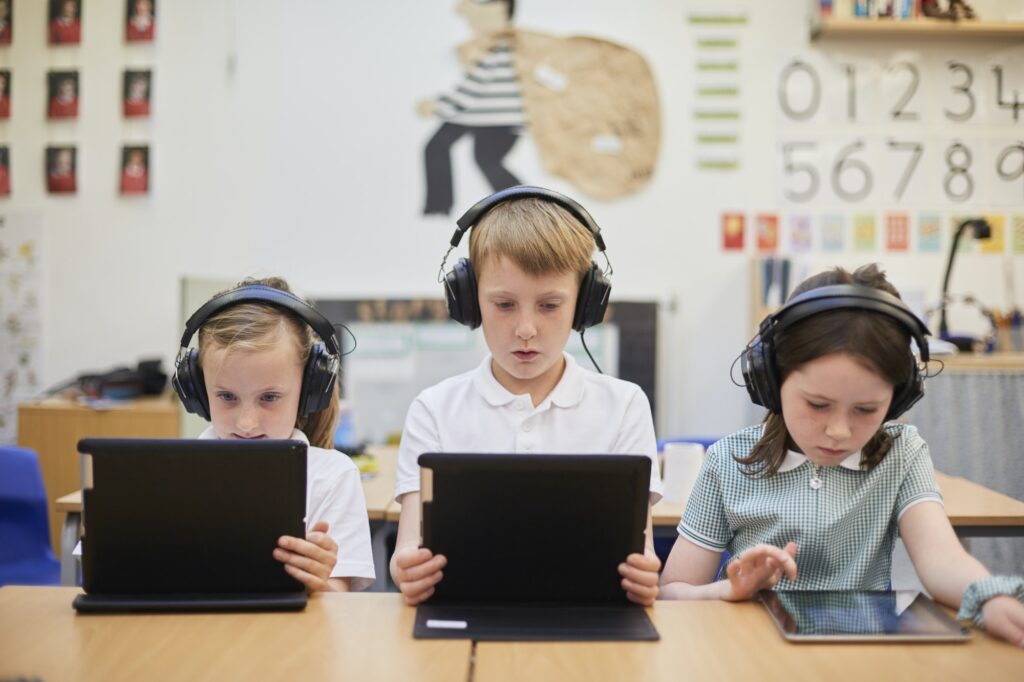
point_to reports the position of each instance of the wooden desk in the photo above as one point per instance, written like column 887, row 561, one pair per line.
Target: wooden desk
column 973, row 509
column 338, row 636
column 53, row 428
column 972, row 362
column 713, row 640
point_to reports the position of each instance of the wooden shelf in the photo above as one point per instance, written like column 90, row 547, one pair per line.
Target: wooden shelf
column 924, row 28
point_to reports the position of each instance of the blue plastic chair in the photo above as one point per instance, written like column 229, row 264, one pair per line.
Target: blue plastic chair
column 26, row 557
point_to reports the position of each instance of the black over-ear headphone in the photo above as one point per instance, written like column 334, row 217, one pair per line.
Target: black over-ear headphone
column 761, row 374
column 460, row 281
column 318, row 376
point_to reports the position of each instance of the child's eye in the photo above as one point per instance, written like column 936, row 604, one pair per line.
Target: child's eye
column 550, row 306
column 226, row 396
column 817, row 406
column 503, row 305
column 867, row 410
column 270, row 397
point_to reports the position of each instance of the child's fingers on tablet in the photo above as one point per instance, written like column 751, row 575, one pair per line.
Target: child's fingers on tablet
column 312, row 565
column 309, row 549
column 640, row 594
column 638, row 575
column 425, row 569
column 309, row 581
column 417, row 590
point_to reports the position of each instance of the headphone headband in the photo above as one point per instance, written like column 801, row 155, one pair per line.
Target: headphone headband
column 260, row 293
column 479, row 209
column 846, row 296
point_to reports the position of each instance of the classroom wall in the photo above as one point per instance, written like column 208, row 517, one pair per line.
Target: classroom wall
column 284, row 140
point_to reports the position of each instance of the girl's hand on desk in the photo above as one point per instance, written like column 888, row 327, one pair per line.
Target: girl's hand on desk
column 640, row 577
column 759, row 568
column 309, row 561
column 417, row 571
column 1003, row 617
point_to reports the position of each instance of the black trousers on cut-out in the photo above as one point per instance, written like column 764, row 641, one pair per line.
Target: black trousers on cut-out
column 490, row 145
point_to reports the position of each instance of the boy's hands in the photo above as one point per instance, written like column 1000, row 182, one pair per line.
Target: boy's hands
column 309, row 561
column 1003, row 617
column 417, row 570
column 759, row 568
column 640, row 577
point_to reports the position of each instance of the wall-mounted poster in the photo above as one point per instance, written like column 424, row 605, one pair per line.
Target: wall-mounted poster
column 62, row 94
column 65, row 22
column 6, row 21
column 135, row 169
column 5, row 171
column 140, row 21
column 5, row 92
column 60, row 170
column 136, row 93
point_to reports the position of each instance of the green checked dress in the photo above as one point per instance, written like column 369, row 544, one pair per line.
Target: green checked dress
column 842, row 518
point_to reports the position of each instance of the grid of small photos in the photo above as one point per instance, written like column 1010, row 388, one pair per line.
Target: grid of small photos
column 63, row 93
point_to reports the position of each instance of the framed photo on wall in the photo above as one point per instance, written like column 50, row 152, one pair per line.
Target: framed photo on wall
column 135, row 169
column 5, row 92
column 5, row 171
column 140, row 21
column 135, row 95
column 62, row 94
column 65, row 22
column 6, row 21
column 61, row 172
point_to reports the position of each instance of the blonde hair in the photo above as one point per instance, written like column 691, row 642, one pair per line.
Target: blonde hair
column 538, row 235
column 257, row 326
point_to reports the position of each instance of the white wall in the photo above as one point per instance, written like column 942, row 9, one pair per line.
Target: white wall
column 284, row 140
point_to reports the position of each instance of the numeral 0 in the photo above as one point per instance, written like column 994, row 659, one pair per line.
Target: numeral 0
column 812, row 107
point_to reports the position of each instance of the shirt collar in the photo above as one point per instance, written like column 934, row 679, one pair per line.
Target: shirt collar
column 795, row 459
column 567, row 393
column 210, row 434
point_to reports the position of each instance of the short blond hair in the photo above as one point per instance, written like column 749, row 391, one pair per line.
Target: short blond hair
column 539, row 236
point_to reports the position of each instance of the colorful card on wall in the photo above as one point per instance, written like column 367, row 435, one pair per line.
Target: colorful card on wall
column 864, row 232
column 800, row 233
column 929, row 233
column 60, row 170
column 6, row 21
column 5, row 92
column 135, row 95
column 832, row 227
column 135, row 169
column 5, row 171
column 62, row 94
column 65, row 22
column 767, row 225
column 140, row 21
column 733, row 227
column 997, row 242
column 897, row 232
column 1017, row 222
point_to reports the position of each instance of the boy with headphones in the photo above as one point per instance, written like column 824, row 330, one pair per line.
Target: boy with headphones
column 529, row 282
column 813, row 498
column 266, row 366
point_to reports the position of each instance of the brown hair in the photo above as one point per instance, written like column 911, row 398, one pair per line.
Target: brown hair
column 538, row 235
column 255, row 326
column 876, row 341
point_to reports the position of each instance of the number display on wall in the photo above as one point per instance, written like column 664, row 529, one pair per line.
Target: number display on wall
column 908, row 129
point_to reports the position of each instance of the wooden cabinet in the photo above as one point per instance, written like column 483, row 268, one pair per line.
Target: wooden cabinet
column 53, row 428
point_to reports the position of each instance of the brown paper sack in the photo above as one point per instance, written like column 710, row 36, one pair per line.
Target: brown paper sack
column 592, row 107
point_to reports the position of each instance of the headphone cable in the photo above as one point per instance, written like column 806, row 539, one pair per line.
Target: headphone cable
column 583, row 340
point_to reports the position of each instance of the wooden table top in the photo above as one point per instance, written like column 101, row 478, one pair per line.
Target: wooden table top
column 714, row 640
column 338, row 636
column 967, row 504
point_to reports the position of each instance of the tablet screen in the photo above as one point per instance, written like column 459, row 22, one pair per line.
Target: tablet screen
column 815, row 616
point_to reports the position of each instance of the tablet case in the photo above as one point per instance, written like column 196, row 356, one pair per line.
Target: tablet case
column 533, row 544
column 187, row 525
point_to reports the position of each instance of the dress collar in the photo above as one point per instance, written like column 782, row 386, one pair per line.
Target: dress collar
column 795, row 459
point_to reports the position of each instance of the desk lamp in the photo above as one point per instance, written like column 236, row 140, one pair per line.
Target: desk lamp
column 980, row 229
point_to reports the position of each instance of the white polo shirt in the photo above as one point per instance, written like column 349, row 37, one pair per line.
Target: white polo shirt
column 334, row 493
column 586, row 413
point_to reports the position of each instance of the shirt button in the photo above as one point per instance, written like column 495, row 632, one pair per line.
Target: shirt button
column 527, row 426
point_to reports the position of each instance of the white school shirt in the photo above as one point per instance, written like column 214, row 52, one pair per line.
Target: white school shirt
column 586, row 413
column 334, row 493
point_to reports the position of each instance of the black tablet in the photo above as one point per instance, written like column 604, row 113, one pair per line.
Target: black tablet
column 828, row 616
column 176, row 524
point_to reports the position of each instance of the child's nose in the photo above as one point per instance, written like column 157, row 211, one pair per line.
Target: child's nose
column 525, row 328
column 837, row 428
column 247, row 419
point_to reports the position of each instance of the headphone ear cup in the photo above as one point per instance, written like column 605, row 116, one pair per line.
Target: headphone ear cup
column 759, row 375
column 318, row 380
column 189, row 384
column 460, row 291
column 906, row 395
column 592, row 300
